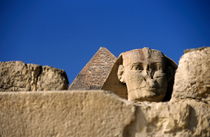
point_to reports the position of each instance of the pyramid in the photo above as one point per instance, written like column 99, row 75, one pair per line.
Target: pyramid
column 95, row 72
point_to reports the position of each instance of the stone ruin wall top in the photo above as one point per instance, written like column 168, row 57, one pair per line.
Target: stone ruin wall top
column 101, row 113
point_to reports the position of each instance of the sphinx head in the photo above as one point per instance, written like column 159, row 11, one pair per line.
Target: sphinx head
column 144, row 71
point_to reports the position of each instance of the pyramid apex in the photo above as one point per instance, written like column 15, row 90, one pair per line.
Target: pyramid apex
column 102, row 48
column 96, row 71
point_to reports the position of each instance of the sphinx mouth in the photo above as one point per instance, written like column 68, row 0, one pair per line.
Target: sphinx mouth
column 145, row 94
column 150, row 89
column 144, row 89
column 149, row 99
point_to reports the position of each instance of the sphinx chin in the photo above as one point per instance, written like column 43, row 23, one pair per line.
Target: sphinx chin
column 150, row 95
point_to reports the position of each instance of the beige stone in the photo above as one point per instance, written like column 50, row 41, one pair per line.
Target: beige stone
column 188, row 118
column 18, row 76
column 64, row 114
column 192, row 79
column 98, row 113
column 113, row 84
column 147, row 73
column 95, row 72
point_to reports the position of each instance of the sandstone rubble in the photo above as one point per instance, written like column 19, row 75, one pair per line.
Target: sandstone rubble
column 18, row 76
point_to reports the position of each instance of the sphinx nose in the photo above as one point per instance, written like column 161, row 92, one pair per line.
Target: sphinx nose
column 151, row 83
column 145, row 73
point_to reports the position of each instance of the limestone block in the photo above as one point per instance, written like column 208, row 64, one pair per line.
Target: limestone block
column 188, row 118
column 64, row 114
column 192, row 79
column 95, row 72
column 18, row 76
column 98, row 113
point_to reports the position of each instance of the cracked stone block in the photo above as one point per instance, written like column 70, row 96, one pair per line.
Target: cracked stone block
column 18, row 76
column 188, row 118
column 63, row 114
column 98, row 113
column 192, row 79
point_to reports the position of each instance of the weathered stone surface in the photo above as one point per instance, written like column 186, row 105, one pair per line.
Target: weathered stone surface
column 188, row 118
column 113, row 84
column 97, row 113
column 142, row 75
column 192, row 79
column 63, row 114
column 18, row 76
column 95, row 72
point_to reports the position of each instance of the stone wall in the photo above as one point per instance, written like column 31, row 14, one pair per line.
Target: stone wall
column 63, row 114
column 98, row 113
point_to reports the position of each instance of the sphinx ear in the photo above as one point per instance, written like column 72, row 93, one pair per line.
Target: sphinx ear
column 120, row 73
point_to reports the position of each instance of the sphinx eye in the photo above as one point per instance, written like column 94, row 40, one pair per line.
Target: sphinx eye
column 153, row 66
column 137, row 67
column 159, row 74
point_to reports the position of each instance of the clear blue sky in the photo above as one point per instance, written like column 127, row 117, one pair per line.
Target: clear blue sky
column 66, row 33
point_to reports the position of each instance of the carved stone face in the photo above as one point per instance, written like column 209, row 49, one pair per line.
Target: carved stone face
column 143, row 71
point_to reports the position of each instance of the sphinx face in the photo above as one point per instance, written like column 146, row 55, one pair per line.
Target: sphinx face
column 143, row 73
